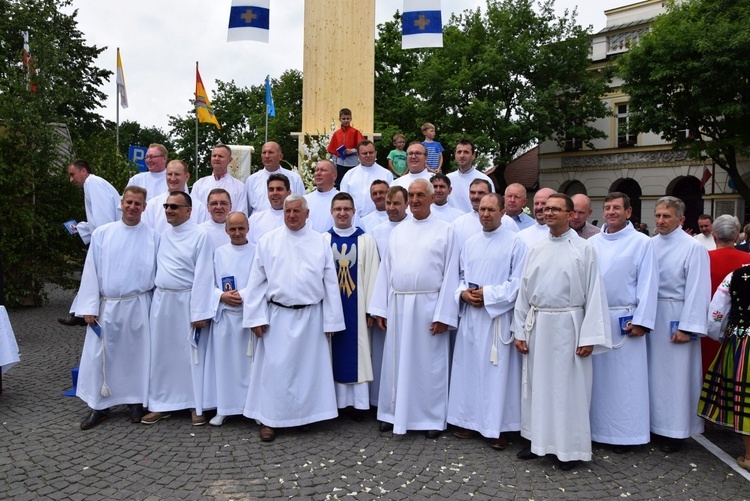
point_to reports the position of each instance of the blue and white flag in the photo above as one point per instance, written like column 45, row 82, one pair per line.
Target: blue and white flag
column 270, row 108
column 422, row 24
column 248, row 20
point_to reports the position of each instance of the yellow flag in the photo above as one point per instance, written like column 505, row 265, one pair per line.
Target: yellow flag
column 202, row 104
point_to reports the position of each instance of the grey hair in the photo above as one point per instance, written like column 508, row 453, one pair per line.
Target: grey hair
column 296, row 198
column 672, row 203
column 726, row 228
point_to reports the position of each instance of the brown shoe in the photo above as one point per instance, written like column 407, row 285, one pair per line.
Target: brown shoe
column 154, row 417
column 498, row 443
column 464, row 433
column 197, row 420
column 267, row 434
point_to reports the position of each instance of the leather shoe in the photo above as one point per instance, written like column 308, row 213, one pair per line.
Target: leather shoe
column 499, row 443
column 385, row 426
column 267, row 434
column 94, row 418
column 464, row 433
column 432, row 434
column 567, row 465
column 72, row 321
column 526, row 454
column 671, row 445
column 136, row 413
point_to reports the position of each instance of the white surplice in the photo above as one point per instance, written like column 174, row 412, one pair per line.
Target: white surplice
column 231, row 184
column 116, row 286
column 461, row 183
column 264, row 222
column 485, row 390
column 619, row 399
column 561, row 306
column 217, row 233
column 155, row 183
column 291, row 382
column 357, row 182
column 184, row 286
column 230, row 347
column 256, row 188
column 674, row 369
column 156, row 218
column 414, row 288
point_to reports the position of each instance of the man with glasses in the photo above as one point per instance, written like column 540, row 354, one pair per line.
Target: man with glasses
column 182, row 303
column 560, row 315
column 221, row 157
column 357, row 181
column 154, row 179
column 416, row 162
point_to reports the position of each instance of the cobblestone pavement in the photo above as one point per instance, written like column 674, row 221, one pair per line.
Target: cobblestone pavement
column 44, row 454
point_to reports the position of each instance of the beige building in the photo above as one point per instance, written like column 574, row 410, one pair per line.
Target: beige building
column 641, row 165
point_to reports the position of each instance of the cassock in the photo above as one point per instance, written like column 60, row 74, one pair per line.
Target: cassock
column 217, row 233
column 116, row 287
column 446, row 212
column 355, row 256
column 405, row 180
column 485, row 387
column 232, row 185
column 102, row 204
column 357, row 182
column 382, row 234
column 155, row 217
column 184, row 287
column 230, row 347
column 374, row 218
column 319, row 204
column 263, row 222
column 155, row 183
column 256, row 188
column 534, row 234
column 461, row 182
column 561, row 306
column 295, row 293
column 674, row 369
column 414, row 288
column 619, row 399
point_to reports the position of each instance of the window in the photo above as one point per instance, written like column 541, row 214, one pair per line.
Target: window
column 625, row 138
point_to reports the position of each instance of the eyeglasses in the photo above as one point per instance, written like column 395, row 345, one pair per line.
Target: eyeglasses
column 174, row 206
column 554, row 210
column 414, row 154
column 151, row 157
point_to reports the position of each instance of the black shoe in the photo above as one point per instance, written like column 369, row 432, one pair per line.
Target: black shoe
column 94, row 418
column 526, row 454
column 136, row 413
column 385, row 426
column 432, row 434
column 671, row 445
column 622, row 449
column 72, row 321
column 567, row 465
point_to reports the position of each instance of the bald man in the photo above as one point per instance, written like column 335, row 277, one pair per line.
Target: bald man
column 581, row 212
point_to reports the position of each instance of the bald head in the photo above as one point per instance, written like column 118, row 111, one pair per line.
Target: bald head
column 540, row 200
column 581, row 211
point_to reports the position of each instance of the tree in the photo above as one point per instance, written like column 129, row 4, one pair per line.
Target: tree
column 34, row 142
column 242, row 114
column 688, row 81
column 512, row 77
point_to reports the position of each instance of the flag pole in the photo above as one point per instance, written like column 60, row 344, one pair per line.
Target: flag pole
column 117, row 108
column 196, row 124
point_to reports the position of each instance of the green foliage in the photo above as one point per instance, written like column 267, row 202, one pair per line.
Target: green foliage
column 507, row 77
column 35, row 147
column 242, row 114
column 689, row 73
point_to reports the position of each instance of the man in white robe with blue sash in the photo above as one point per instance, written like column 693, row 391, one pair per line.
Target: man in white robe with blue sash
column 355, row 255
